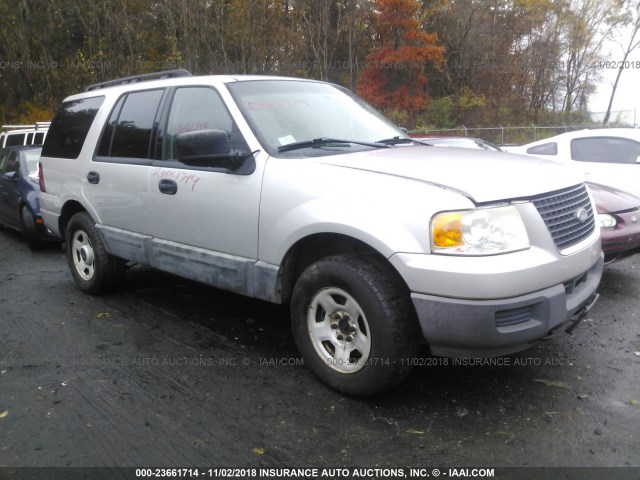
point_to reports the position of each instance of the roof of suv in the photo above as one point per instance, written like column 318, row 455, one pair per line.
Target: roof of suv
column 168, row 78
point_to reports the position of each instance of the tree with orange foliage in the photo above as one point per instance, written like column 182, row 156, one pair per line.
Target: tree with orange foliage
column 394, row 75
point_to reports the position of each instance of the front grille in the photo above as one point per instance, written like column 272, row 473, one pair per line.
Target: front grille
column 561, row 213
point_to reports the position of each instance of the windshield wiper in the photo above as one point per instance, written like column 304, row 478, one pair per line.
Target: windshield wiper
column 324, row 142
column 401, row 140
column 395, row 140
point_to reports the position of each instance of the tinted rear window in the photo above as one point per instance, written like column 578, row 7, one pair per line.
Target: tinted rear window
column 70, row 126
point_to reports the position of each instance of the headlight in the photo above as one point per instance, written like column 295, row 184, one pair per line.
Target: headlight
column 482, row 231
column 607, row 221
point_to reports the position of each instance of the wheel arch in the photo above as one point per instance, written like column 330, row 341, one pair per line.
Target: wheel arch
column 69, row 209
column 312, row 248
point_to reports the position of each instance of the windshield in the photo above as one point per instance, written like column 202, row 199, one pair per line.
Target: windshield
column 286, row 112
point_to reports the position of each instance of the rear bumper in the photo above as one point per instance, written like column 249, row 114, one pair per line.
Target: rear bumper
column 482, row 328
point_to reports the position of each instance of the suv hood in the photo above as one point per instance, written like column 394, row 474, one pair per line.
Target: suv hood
column 480, row 175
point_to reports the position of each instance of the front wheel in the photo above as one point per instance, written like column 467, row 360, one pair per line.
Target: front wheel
column 354, row 325
column 93, row 268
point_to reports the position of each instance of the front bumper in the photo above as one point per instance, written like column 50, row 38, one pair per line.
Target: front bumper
column 483, row 328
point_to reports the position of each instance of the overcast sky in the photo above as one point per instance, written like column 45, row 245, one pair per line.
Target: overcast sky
column 628, row 92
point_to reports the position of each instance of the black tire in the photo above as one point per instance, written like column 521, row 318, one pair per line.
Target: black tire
column 94, row 270
column 368, row 324
column 30, row 229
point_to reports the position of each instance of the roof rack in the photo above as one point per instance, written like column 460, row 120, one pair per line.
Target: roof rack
column 33, row 126
column 140, row 78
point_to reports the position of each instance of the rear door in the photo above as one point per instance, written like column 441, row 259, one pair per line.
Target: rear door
column 117, row 177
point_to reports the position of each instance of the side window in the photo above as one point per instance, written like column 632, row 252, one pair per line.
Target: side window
column 199, row 108
column 15, row 139
column 605, row 150
column 38, row 138
column 3, row 159
column 10, row 164
column 104, row 147
column 70, row 127
column 544, row 149
column 130, row 128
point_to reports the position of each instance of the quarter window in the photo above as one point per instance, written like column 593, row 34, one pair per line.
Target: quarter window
column 605, row 150
column 544, row 149
column 70, row 127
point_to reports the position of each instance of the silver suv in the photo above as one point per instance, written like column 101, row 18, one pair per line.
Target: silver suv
column 297, row 191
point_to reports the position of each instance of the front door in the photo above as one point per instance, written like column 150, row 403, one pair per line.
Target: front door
column 9, row 193
column 205, row 222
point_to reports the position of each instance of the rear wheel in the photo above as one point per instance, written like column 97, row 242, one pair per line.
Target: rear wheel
column 354, row 325
column 30, row 229
column 93, row 269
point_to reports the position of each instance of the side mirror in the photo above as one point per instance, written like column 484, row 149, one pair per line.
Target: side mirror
column 203, row 147
column 10, row 175
column 210, row 148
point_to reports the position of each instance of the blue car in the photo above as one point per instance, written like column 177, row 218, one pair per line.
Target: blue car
column 19, row 190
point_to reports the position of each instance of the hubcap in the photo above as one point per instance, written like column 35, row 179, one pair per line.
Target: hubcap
column 83, row 256
column 339, row 330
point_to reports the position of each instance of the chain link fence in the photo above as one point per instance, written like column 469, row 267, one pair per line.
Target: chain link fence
column 508, row 135
column 501, row 135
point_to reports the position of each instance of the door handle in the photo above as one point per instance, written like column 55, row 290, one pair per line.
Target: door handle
column 93, row 177
column 168, row 187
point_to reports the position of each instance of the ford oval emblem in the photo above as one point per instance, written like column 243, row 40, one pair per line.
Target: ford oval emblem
column 582, row 215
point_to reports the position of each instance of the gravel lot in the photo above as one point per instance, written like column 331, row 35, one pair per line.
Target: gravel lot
column 169, row 373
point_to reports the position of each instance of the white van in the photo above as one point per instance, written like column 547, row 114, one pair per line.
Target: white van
column 34, row 134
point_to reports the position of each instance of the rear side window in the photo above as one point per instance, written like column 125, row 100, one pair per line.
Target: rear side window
column 129, row 131
column 70, row 127
column 15, row 139
column 544, row 149
column 605, row 150
column 38, row 138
